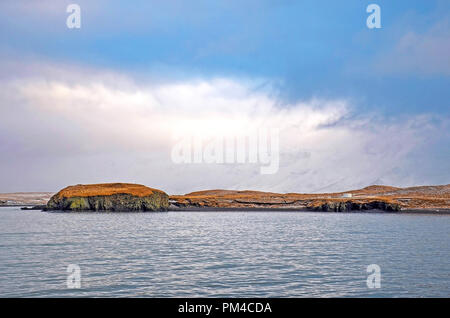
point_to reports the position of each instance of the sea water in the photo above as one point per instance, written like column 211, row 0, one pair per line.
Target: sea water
column 223, row 254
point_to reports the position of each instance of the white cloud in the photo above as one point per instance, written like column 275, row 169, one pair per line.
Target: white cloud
column 83, row 126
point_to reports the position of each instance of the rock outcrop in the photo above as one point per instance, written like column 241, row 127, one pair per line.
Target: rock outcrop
column 36, row 207
column 385, row 198
column 349, row 206
column 133, row 197
column 124, row 197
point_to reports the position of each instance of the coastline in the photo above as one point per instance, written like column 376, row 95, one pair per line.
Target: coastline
column 125, row 197
column 215, row 209
column 238, row 210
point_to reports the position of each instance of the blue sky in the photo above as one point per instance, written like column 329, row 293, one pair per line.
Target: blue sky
column 294, row 50
column 310, row 47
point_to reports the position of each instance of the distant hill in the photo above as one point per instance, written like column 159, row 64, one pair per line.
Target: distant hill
column 25, row 198
column 371, row 197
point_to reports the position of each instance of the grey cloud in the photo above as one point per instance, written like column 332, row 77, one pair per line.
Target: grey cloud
column 63, row 125
column 423, row 53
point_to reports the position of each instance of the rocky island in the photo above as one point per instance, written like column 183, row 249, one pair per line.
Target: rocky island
column 109, row 197
column 135, row 197
column 386, row 198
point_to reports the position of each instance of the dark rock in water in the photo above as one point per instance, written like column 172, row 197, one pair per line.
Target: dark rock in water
column 109, row 197
column 36, row 207
column 346, row 206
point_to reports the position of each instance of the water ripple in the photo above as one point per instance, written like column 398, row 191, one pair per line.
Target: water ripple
column 220, row 254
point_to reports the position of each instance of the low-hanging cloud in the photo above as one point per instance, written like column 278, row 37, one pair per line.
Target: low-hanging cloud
column 68, row 126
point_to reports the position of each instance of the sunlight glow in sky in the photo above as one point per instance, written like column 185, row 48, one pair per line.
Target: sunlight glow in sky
column 355, row 106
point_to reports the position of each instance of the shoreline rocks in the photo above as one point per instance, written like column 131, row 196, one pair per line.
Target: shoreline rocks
column 380, row 198
column 36, row 207
column 349, row 206
column 134, row 197
column 123, row 197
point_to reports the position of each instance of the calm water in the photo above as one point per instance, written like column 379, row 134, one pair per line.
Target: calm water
column 267, row 254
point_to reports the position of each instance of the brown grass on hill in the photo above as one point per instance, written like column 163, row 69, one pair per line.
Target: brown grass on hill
column 407, row 198
column 220, row 192
column 377, row 189
column 105, row 189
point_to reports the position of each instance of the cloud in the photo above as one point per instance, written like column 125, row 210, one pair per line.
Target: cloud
column 63, row 125
column 425, row 53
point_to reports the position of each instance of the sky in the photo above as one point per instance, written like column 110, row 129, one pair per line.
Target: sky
column 111, row 100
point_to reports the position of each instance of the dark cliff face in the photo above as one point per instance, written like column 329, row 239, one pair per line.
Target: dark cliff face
column 101, row 198
column 354, row 206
